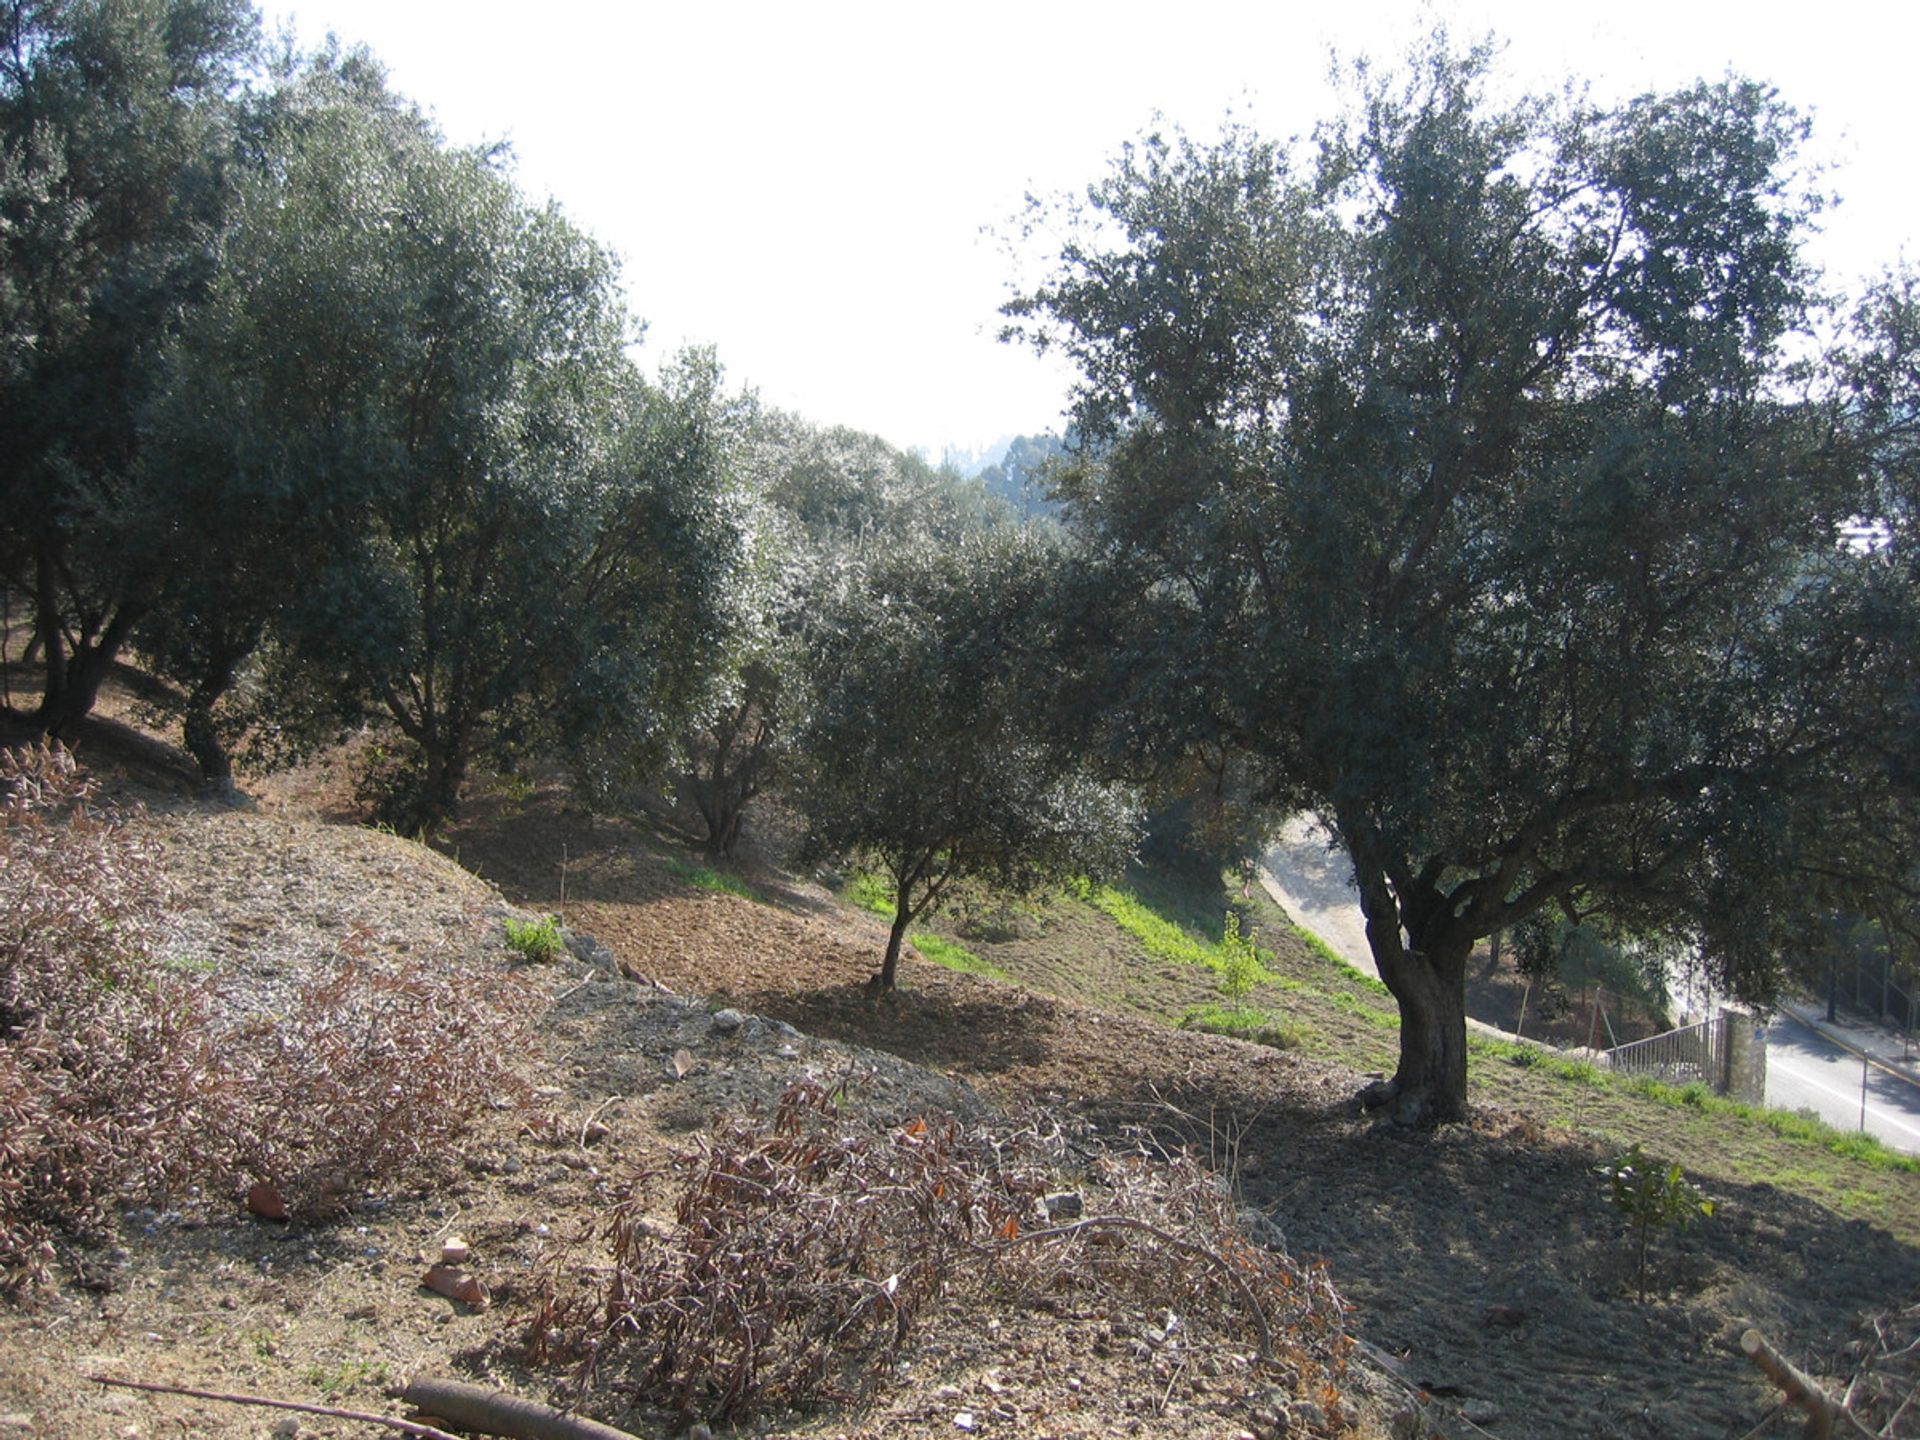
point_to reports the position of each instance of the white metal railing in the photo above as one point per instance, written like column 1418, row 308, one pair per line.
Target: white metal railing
column 1679, row 1057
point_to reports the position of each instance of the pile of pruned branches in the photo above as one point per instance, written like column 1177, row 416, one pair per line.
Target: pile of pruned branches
column 806, row 1244
column 1884, row 1393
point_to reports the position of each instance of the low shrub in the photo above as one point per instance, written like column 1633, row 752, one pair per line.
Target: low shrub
column 537, row 940
column 370, row 1075
column 1653, row 1199
column 106, row 1068
column 124, row 1081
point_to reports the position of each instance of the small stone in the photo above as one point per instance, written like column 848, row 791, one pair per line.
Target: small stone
column 1480, row 1412
column 725, row 1022
column 964, row 1420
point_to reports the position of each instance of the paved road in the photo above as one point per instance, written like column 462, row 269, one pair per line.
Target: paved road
column 1805, row 1071
column 1315, row 886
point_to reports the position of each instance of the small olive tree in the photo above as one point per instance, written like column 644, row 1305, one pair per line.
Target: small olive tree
column 927, row 752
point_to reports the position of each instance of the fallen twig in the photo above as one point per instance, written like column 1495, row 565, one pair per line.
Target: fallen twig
column 405, row 1427
column 1823, row 1411
column 474, row 1408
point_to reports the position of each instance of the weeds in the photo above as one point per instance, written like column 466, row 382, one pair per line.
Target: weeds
column 537, row 940
column 1245, row 1023
column 705, row 877
column 1535, row 1057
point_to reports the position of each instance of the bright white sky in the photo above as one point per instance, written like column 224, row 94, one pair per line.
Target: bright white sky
column 811, row 187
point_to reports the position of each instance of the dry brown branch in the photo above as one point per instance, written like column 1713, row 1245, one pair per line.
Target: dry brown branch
column 405, row 1427
column 808, row 1242
column 1172, row 1242
column 473, row 1407
column 1823, row 1411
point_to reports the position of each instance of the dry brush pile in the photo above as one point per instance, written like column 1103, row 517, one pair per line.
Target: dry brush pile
column 125, row 1081
column 806, row 1246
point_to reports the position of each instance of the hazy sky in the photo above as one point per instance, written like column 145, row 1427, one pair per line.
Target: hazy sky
column 817, row 189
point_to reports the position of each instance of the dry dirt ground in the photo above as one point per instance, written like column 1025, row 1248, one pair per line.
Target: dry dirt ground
column 1482, row 1265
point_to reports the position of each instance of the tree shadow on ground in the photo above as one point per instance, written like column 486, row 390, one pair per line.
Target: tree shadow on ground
column 929, row 1024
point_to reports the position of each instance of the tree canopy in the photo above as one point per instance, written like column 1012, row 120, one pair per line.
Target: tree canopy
column 114, row 123
column 1479, row 475
column 927, row 749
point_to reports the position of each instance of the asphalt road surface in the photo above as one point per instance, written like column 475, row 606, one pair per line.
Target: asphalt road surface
column 1806, row 1071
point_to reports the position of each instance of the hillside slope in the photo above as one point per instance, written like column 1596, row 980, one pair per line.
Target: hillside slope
column 1424, row 1236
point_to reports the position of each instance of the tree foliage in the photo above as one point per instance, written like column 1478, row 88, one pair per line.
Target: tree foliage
column 1474, row 476
column 927, row 749
column 114, row 123
column 386, row 450
column 825, row 502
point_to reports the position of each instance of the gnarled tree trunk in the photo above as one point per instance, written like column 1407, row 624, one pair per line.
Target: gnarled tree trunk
column 1429, row 980
column 1430, row 1087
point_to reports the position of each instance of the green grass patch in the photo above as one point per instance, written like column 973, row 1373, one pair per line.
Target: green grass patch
column 1700, row 1099
column 1360, row 1010
column 1241, row 965
column 1535, row 1058
column 953, row 956
column 868, row 891
column 705, row 877
column 1246, row 1023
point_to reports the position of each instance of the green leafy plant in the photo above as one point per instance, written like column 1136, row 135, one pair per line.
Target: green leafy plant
column 1653, row 1200
column 536, row 940
column 1240, row 967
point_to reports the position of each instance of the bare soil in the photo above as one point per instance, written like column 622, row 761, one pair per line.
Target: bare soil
column 1485, row 1271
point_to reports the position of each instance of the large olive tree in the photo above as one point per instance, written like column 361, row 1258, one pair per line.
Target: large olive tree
column 1475, row 474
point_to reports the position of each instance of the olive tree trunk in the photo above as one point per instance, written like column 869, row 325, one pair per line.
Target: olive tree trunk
column 1430, row 1087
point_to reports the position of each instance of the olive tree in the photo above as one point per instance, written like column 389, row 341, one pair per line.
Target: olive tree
column 115, row 124
column 927, row 751
column 1474, row 475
